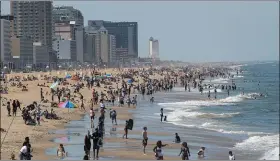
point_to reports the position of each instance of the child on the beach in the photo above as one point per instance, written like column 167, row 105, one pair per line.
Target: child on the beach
column 61, row 151
column 200, row 153
column 145, row 139
column 231, row 156
column 158, row 150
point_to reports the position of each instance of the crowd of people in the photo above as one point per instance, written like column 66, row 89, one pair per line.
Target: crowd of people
column 125, row 94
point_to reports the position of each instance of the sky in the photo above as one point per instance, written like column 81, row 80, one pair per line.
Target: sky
column 195, row 31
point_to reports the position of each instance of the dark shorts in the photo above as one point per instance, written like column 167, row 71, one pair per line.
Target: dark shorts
column 92, row 117
column 145, row 142
column 96, row 147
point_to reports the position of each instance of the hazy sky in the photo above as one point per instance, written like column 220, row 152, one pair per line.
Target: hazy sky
column 195, row 31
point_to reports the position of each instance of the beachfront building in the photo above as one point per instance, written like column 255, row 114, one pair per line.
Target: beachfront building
column 112, row 51
column 62, row 14
column 99, row 45
column 126, row 34
column 102, row 47
column 65, row 30
column 153, row 48
column 22, row 51
column 5, row 45
column 34, row 19
column 41, row 55
column 66, row 49
column 69, row 23
column 80, row 45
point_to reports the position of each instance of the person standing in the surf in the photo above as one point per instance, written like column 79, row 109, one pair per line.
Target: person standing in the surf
column 215, row 91
column 209, row 95
column 185, row 152
column 161, row 114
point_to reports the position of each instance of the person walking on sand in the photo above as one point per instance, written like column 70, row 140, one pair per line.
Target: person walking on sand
column 14, row 108
column 158, row 150
column 61, row 151
column 145, row 139
column 185, row 152
column 231, row 156
column 9, row 108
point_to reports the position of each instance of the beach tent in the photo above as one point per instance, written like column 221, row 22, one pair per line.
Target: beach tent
column 129, row 81
column 68, row 76
column 108, row 75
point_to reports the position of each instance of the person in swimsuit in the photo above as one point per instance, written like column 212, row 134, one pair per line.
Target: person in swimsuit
column 87, row 144
column 200, row 153
column 61, row 152
column 125, row 130
column 231, row 156
column 145, row 139
column 185, row 152
column 96, row 143
column 161, row 114
column 177, row 138
column 92, row 114
column 158, row 150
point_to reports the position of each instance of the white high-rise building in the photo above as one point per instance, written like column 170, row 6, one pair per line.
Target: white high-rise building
column 112, row 50
column 153, row 48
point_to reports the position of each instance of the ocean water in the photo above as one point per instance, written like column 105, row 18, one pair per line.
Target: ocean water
column 251, row 117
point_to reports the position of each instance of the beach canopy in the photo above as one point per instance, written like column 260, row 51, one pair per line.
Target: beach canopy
column 129, row 81
column 108, row 75
column 67, row 104
column 54, row 84
column 68, row 76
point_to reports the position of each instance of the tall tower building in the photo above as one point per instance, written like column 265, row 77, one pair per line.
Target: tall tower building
column 153, row 48
column 33, row 18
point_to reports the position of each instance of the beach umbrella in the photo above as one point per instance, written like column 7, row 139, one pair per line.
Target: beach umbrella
column 67, row 104
column 54, row 85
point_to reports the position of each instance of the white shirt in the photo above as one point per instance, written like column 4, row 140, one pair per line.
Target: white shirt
column 102, row 105
column 231, row 157
column 23, row 149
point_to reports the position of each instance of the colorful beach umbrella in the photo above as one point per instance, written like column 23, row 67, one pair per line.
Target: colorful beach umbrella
column 67, row 104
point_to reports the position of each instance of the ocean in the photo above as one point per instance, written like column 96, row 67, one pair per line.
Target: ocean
column 247, row 124
column 253, row 119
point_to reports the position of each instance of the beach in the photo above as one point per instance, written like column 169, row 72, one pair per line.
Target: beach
column 214, row 124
